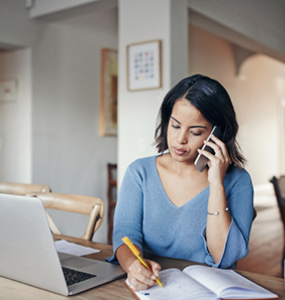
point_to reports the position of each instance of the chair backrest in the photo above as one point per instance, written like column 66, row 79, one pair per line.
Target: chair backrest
column 23, row 188
column 279, row 189
column 92, row 206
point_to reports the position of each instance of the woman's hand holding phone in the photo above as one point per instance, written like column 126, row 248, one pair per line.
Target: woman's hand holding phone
column 201, row 160
column 217, row 224
column 218, row 163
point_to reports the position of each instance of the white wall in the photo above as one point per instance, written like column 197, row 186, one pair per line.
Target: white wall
column 68, row 152
column 141, row 21
column 16, row 28
column 43, row 7
column 16, row 118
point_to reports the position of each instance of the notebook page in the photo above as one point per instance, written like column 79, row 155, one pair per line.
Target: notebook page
column 176, row 285
column 219, row 280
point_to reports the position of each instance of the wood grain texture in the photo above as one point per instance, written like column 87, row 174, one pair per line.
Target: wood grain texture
column 265, row 245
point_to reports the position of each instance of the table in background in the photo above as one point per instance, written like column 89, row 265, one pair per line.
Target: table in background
column 116, row 289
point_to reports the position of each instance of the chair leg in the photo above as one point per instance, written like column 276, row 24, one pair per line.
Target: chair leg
column 53, row 227
column 283, row 255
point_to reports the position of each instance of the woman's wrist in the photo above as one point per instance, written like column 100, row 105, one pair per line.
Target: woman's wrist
column 217, row 198
column 125, row 257
column 217, row 186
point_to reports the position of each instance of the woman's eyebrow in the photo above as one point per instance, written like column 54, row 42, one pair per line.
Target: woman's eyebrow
column 198, row 126
column 194, row 126
column 175, row 119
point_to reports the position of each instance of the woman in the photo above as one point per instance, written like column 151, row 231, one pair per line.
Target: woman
column 167, row 207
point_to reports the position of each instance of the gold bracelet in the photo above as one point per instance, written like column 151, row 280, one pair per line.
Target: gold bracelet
column 216, row 212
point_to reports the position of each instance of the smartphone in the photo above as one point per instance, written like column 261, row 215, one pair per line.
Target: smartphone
column 201, row 160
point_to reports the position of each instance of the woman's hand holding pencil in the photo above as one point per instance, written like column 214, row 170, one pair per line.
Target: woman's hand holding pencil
column 136, row 252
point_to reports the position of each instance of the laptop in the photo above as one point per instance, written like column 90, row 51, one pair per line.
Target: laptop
column 28, row 252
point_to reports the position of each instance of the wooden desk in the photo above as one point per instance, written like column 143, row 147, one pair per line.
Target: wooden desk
column 117, row 289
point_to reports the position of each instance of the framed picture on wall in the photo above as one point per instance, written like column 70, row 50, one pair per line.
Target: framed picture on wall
column 144, row 65
column 109, row 92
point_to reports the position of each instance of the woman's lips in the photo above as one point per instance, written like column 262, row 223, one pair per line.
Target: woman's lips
column 179, row 151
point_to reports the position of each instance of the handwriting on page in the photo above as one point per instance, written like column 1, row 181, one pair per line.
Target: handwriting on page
column 176, row 285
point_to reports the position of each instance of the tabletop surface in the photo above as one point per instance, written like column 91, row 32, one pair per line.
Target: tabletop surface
column 116, row 289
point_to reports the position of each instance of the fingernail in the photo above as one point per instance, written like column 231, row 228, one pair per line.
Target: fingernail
column 153, row 277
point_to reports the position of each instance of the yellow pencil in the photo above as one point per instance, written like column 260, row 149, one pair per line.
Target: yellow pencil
column 136, row 253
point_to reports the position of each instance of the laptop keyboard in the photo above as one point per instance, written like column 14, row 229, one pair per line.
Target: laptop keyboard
column 73, row 276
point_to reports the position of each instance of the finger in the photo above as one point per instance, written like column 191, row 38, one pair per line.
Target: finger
column 220, row 149
column 155, row 267
column 221, row 145
column 137, row 285
column 141, row 274
column 209, row 155
column 139, row 282
column 215, row 147
column 218, row 159
column 212, row 159
column 215, row 139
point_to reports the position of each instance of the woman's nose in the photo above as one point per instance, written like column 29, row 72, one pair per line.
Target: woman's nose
column 182, row 138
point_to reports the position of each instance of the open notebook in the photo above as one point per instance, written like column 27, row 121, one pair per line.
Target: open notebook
column 29, row 255
column 205, row 283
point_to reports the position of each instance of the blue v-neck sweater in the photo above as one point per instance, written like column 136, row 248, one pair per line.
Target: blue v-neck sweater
column 145, row 214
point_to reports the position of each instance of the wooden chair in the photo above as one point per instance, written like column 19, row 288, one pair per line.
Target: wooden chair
column 92, row 206
column 23, row 188
column 112, row 198
column 279, row 189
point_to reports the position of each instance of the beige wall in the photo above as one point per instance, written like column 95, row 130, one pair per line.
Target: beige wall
column 256, row 90
column 256, row 25
column 259, row 96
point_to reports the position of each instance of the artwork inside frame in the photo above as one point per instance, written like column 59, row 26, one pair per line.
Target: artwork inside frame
column 109, row 92
column 144, row 65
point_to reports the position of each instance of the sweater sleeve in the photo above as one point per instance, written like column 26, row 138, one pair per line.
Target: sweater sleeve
column 240, row 203
column 129, row 211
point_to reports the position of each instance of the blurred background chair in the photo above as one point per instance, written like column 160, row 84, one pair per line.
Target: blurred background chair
column 23, row 188
column 279, row 189
column 92, row 206
column 112, row 198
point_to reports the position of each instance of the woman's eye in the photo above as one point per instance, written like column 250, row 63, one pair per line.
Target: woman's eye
column 196, row 133
column 175, row 126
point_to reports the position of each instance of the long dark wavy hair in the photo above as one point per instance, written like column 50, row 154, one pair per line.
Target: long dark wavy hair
column 214, row 103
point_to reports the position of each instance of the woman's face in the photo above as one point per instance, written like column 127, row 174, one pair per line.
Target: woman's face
column 186, row 132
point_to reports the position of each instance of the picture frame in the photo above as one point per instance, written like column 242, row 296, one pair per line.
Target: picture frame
column 144, row 65
column 109, row 92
